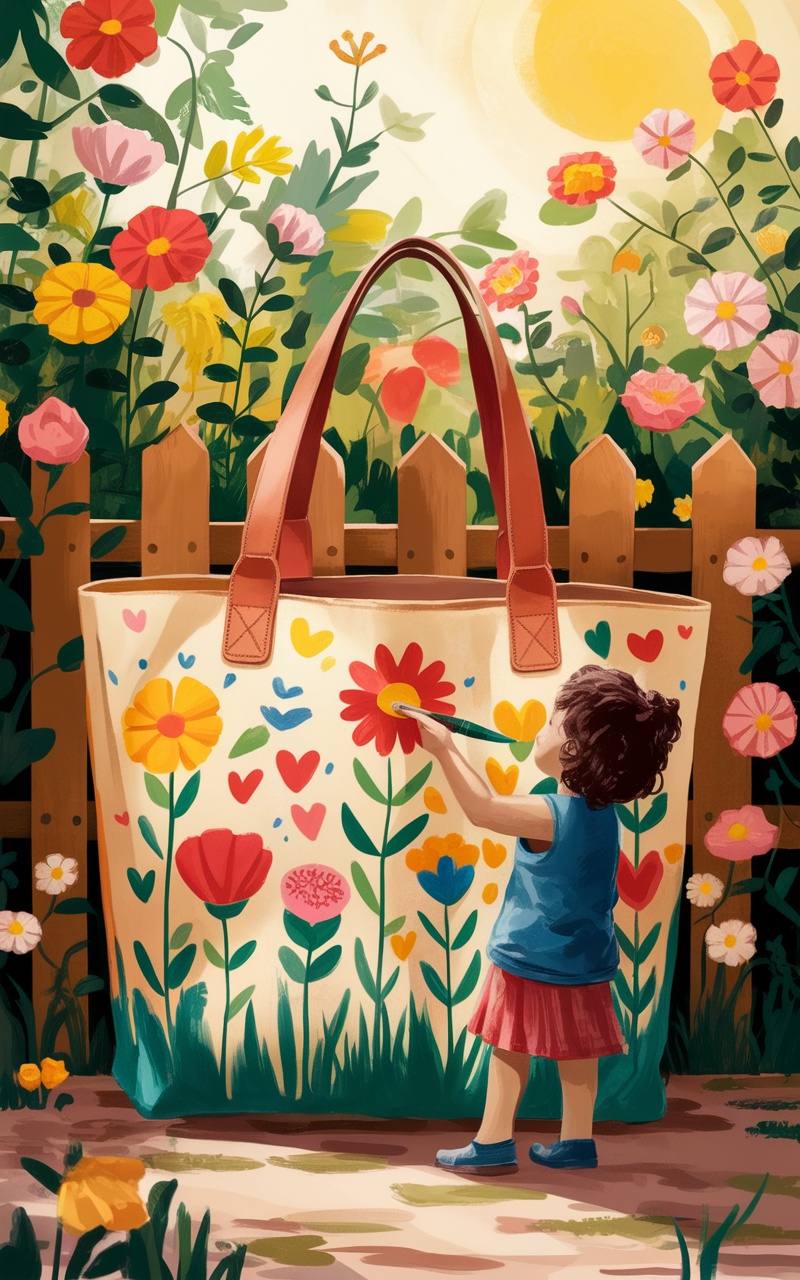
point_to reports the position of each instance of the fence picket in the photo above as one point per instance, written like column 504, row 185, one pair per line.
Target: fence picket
column 602, row 486
column 175, row 497
column 431, row 510
column 325, row 507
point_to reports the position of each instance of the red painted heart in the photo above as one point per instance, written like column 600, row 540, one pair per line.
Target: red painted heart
column 243, row 788
column 646, row 648
column 685, row 632
column 122, row 818
column 637, row 885
column 309, row 821
column 297, row 773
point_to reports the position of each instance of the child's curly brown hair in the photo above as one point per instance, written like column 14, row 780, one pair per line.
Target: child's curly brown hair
column 618, row 738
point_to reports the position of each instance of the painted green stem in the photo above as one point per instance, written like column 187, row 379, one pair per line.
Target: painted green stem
column 129, row 373
column 532, row 358
column 251, row 314
column 715, row 431
column 173, row 195
column 635, row 991
column 376, row 1025
column 167, row 878
column 104, row 208
column 57, row 1252
column 449, row 985
column 305, row 1081
column 329, row 185
column 226, row 955
column 658, row 231
column 774, row 150
column 737, row 226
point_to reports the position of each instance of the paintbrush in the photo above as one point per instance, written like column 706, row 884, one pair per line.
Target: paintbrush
column 466, row 727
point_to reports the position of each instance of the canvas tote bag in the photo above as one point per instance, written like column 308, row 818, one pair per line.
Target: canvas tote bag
column 297, row 909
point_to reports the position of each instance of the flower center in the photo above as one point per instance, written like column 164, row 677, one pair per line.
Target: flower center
column 15, row 927
column 171, row 726
column 726, row 310
column 662, row 397
column 705, row 887
column 742, row 77
column 111, row 27
column 507, row 281
column 763, row 722
column 84, row 298
column 738, row 831
column 785, row 367
column 665, row 140
column 398, row 693
column 582, row 177
column 158, row 247
column 730, row 940
column 759, row 563
column 56, row 873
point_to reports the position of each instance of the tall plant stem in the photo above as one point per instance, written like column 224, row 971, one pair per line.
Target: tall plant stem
column 226, row 955
column 659, row 231
column 306, row 1028
column 715, row 431
column 376, row 1025
column 329, row 185
column 737, row 226
column 33, row 156
column 251, row 315
column 449, row 985
column 97, row 229
column 173, row 195
column 532, row 358
column 129, row 373
column 167, row 878
column 774, row 150
column 57, row 1252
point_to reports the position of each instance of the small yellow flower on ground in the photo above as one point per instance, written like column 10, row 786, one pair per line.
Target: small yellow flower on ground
column 683, row 508
column 54, row 1072
column 29, row 1077
column 643, row 493
column 102, row 1191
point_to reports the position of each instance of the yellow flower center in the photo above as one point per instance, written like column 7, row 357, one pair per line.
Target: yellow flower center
column 726, row 310
column 111, row 27
column 15, row 927
column 763, row 722
column 742, row 77
column 759, row 563
column 653, row 335
column 158, row 247
column 582, row 177
column 738, row 831
column 785, row 367
column 662, row 397
column 84, row 298
column 171, row 726
column 398, row 692
column 705, row 887
column 665, row 140
column 730, row 940
column 56, row 873
column 507, row 281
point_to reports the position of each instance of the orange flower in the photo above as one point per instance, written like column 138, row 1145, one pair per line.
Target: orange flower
column 358, row 52
column 102, row 1191
column 582, row 178
column 54, row 1072
column 435, row 847
column 161, row 731
column 626, row 260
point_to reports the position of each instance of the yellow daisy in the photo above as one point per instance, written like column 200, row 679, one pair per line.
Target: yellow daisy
column 643, row 493
column 683, row 508
column 81, row 302
column 161, row 731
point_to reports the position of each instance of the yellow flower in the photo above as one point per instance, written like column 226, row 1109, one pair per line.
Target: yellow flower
column 102, row 1191
column 626, row 260
column 81, row 302
column 162, row 732
column 493, row 854
column 363, row 226
column 683, row 508
column 195, row 324
column 503, row 780
column 653, row 336
column 489, row 893
column 3, row 417
column 772, row 239
column 29, row 1077
column 358, row 53
column 644, row 491
column 54, row 1072
column 269, row 157
column 435, row 847
column 72, row 211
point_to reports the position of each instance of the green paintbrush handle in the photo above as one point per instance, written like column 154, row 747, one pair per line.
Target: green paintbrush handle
column 466, row 727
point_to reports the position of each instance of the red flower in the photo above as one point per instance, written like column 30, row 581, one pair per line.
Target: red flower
column 582, row 178
column 637, row 885
column 160, row 247
column 401, row 369
column 744, row 77
column 222, row 868
column 389, row 682
column 110, row 36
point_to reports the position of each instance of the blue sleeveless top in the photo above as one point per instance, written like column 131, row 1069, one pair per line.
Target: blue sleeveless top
column 556, row 921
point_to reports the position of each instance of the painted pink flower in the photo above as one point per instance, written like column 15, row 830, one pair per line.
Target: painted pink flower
column 508, row 281
column 731, row 942
column 774, row 369
column 301, row 229
column 54, row 433
column 760, row 720
column 665, row 138
column 571, row 306
column 114, row 153
column 739, row 834
column 315, row 892
column 400, row 370
column 756, row 566
column 726, row 311
column 662, row 400
column 582, row 178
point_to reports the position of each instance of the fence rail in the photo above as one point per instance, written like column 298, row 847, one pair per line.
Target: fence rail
column 600, row 544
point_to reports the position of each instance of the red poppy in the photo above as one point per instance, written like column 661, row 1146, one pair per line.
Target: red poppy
column 110, row 36
column 222, row 868
column 160, row 247
column 388, row 682
column 637, row 885
column 582, row 178
column 744, row 77
column 401, row 370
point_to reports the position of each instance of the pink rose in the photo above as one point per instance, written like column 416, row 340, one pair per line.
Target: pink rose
column 662, row 400
column 302, row 230
column 54, row 433
column 510, row 280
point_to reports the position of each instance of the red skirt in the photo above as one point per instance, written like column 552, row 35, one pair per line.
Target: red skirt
column 546, row 1020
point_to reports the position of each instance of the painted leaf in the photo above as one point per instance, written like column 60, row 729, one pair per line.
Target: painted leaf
column 363, row 969
column 556, row 214
column 238, row 1002
column 623, row 989
column 181, row 935
column 179, row 966
column 292, row 964
column 407, row 834
column 146, row 966
column 470, row 980
column 212, row 954
column 647, row 992
column 626, row 817
column 242, row 954
column 432, row 930
column 434, row 982
column 625, row 944
column 366, row 783
column 356, row 834
column 299, row 930
column 324, row 930
column 363, row 887
column 649, row 942
column 413, row 785
column 42, row 1173
column 156, row 790
column 466, row 931
column 149, row 835
column 188, row 795
column 142, row 885
column 324, row 964
column 393, row 926
column 390, row 982
column 655, row 813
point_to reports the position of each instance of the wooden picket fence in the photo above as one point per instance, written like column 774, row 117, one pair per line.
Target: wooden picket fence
column 174, row 535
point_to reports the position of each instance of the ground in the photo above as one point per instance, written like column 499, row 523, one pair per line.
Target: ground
column 363, row 1198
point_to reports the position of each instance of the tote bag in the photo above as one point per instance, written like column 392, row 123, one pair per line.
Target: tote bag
column 297, row 909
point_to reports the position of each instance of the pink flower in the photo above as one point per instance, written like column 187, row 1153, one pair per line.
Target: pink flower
column 571, row 306
column 728, row 310
column 774, row 369
column 314, row 892
column 665, row 138
column 731, row 942
column 662, row 400
column 739, row 834
column 301, row 229
column 755, row 566
column 760, row 720
column 114, row 153
column 509, row 281
column 582, row 178
column 54, row 433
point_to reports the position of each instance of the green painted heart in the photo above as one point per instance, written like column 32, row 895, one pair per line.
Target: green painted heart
column 520, row 750
column 599, row 640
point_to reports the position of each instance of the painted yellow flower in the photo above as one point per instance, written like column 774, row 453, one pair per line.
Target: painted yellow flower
column 683, row 508
column 81, row 302
column 435, row 847
column 161, row 731
column 362, row 226
column 653, row 336
column 269, row 157
column 643, row 491
column 195, row 324
column 54, row 1072
column 29, row 1077
column 358, row 52
column 102, row 1191
column 489, row 894
column 772, row 239
column 493, row 854
column 503, row 780
column 626, row 260
column 73, row 211
column 3, row 417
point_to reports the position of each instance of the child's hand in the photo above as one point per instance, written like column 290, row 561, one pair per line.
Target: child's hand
column 435, row 737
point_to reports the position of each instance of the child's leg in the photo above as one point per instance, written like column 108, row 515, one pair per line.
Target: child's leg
column 578, row 1092
column 508, row 1076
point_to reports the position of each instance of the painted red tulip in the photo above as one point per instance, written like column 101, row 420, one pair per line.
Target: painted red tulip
column 222, row 868
column 637, row 885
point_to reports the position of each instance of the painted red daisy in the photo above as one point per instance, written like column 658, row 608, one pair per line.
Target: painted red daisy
column 744, row 77
column 387, row 682
column 582, row 178
column 160, row 247
column 110, row 36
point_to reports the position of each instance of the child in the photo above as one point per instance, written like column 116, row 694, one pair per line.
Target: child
column 553, row 949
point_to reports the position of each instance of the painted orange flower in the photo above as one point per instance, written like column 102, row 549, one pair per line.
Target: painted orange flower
column 391, row 681
column 401, row 369
column 162, row 731
column 435, row 847
column 744, row 77
column 110, row 36
column 102, row 1191
column 582, row 178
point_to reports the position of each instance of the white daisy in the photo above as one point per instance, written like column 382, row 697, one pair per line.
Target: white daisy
column 704, row 890
column 56, row 873
column 731, row 943
column 756, row 566
column 19, row 931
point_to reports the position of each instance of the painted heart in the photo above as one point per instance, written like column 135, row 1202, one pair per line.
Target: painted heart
column 134, row 621
column 646, row 648
column 282, row 692
column 327, row 663
column 308, row 645
column 229, row 680
column 242, row 788
column 522, row 724
column 122, row 818
column 283, row 720
column 402, row 946
column 684, row 632
column 308, row 821
column 494, row 855
column 186, row 660
column 503, row 780
column 599, row 639
column 297, row 773
column 637, row 885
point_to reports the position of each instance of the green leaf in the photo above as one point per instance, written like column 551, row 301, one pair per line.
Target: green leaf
column 114, row 1260
column 649, row 942
column 149, row 835
column 785, row 880
column 363, row 887
column 720, row 238
column 792, row 153
column 70, row 655
column 249, row 741
column 84, row 1247
column 366, row 783
column 278, row 302
column 215, row 411
column 356, row 834
column 233, row 297
column 295, row 336
column 472, row 255
column 259, row 355
column 623, row 990
column 14, row 493
column 244, row 34
column 735, row 195
column 508, row 332
column 792, row 302
column 415, row 784
column 179, row 966
column 212, row 954
column 108, row 542
column 16, row 298
column 470, row 980
column 363, row 970
column 180, row 937
column 74, row 907
column 547, row 786
column 490, row 239
column 118, row 95
column 393, row 926
column 772, row 193
column 324, row 964
column 299, row 930
column 432, row 930
column 217, row 93
column 44, row 59
column 43, row 1173
column 765, row 639
column 156, row 393
column 407, row 834
column 692, row 361
column 14, row 238
column 791, row 250
column 351, row 369
column 466, row 931
column 86, row 986
column 390, row 982
column 220, row 373
column 238, row 1002
column 674, row 174
column 146, row 966
column 242, row 954
column 16, row 123
column 157, row 792
column 736, row 159
column 14, row 611
column 142, row 885
column 751, row 885
column 655, row 813
column 434, row 982
column 188, row 795
column 625, row 944
column 292, row 964
column 554, row 213
column 773, row 113
column 647, row 992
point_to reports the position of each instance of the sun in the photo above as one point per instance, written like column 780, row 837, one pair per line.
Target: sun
column 596, row 67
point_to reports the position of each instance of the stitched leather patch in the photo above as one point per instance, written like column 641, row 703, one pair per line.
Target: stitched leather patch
column 250, row 620
column 533, row 619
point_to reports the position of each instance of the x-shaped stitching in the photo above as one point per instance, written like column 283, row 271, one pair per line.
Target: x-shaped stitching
column 535, row 631
column 248, row 630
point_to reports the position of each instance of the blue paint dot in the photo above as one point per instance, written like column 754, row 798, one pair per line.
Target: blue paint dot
column 143, row 664
column 469, row 682
column 228, row 681
column 277, row 822
column 329, row 768
column 286, row 838
column 682, row 684
column 113, row 678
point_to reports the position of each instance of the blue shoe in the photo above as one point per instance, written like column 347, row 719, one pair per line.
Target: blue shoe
column 578, row 1153
column 480, row 1157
